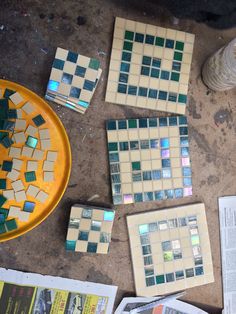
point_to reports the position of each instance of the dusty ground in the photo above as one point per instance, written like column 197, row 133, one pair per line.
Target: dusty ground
column 30, row 33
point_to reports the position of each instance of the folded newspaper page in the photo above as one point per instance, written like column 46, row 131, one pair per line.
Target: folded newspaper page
column 28, row 293
column 227, row 215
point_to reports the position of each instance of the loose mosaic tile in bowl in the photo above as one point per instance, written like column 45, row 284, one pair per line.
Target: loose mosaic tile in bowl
column 170, row 250
column 73, row 80
column 90, row 229
column 149, row 67
column 149, row 159
column 31, row 136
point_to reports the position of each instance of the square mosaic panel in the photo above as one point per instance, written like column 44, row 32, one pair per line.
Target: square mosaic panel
column 170, row 250
column 149, row 66
column 89, row 229
column 149, row 159
column 73, row 80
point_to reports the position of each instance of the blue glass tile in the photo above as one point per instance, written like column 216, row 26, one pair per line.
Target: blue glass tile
column 154, row 143
column 172, row 121
column 113, row 157
column 146, row 60
column 149, row 39
column 115, row 178
column 122, row 124
column 29, row 207
column 144, row 144
column 92, row 247
column 138, row 197
column 58, row 64
column 156, row 174
column 165, row 163
column 126, row 56
column 187, row 172
column 66, row 78
column 184, row 151
column 184, row 141
column 123, row 78
column 111, row 125
column 169, row 43
column 187, row 181
column 122, row 88
column 170, row 277
column 176, row 66
column 124, row 146
column 143, row 229
column 88, row 85
column 183, row 120
column 150, row 281
column 142, row 123
column 165, row 75
column 72, row 57
column 142, row 91
column 147, row 175
column 152, row 93
column 172, row 97
column 124, row 67
column 152, row 122
column 75, row 92
column 165, row 143
column 162, row 95
column 132, row 90
column 156, row 62
column 163, row 121
column 109, row 216
column 136, row 176
column 148, row 196
column 155, row 73
column 83, row 235
column 159, row 195
column 179, row 193
column 53, row 85
column 199, row 271
column 139, row 38
column 134, row 145
column 116, row 188
column 166, row 173
column 169, row 194
column 145, row 70
column 183, row 130
column 117, row 199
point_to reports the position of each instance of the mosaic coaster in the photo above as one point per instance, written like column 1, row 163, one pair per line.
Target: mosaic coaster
column 149, row 67
column 170, row 250
column 89, row 229
column 73, row 80
column 149, row 159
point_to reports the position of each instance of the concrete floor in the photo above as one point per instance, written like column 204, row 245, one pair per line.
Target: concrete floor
column 32, row 31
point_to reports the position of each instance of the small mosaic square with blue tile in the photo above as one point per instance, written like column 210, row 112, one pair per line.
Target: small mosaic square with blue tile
column 149, row 66
column 149, row 159
column 73, row 80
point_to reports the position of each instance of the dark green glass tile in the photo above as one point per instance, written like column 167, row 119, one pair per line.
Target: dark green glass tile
column 3, row 200
column 4, row 103
column 159, row 41
column 38, row 120
column 124, row 67
column 160, row 279
column 112, row 147
column 152, row 122
column 142, row 91
column 136, row 165
column 155, row 73
column 152, row 93
column 146, row 60
column 129, row 35
column 165, row 75
column 149, row 39
column 3, row 134
column 156, row 62
column 169, row 43
column 4, row 212
column 111, row 125
column 94, row 64
column 12, row 114
column 143, row 123
column 122, row 88
column 2, row 218
column 1, row 124
column 123, row 78
column 30, row 176
column 139, row 38
column 7, row 165
column 182, row 98
column 145, row 70
column 183, row 120
column 4, row 112
column 174, row 76
column 179, row 45
column 124, row 146
column 8, row 92
column 2, row 228
column 172, row 121
column 178, row 56
column 132, row 90
column 126, row 56
column 11, row 225
column 122, row 124
column 132, row 123
column 3, row 184
column 128, row 46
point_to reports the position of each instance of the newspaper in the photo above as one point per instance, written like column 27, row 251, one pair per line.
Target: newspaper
column 227, row 215
column 27, row 293
column 157, row 305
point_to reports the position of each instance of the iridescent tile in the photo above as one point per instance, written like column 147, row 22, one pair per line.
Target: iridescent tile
column 165, row 153
column 165, row 143
column 188, row 191
column 128, row 198
column 154, row 143
column 184, row 151
column 185, row 161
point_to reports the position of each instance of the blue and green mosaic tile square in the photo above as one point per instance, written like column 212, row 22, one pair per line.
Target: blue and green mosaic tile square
column 149, row 159
column 149, row 67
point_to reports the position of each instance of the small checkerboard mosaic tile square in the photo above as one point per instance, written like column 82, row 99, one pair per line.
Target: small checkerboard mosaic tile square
column 73, row 80
column 149, row 67
column 170, row 249
column 90, row 229
column 149, row 159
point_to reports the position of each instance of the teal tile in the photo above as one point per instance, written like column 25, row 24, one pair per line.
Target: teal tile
column 178, row 56
column 174, row 76
column 179, row 45
column 159, row 41
column 11, row 225
column 94, row 64
column 32, row 141
column 136, row 165
column 129, row 35
column 128, row 46
column 3, row 184
column 113, row 147
column 2, row 228
column 30, row 176
column 38, row 120
column 3, row 200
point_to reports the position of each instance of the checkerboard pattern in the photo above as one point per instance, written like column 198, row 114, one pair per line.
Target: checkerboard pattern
column 170, row 250
column 73, row 80
column 149, row 159
column 149, row 67
column 90, row 229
